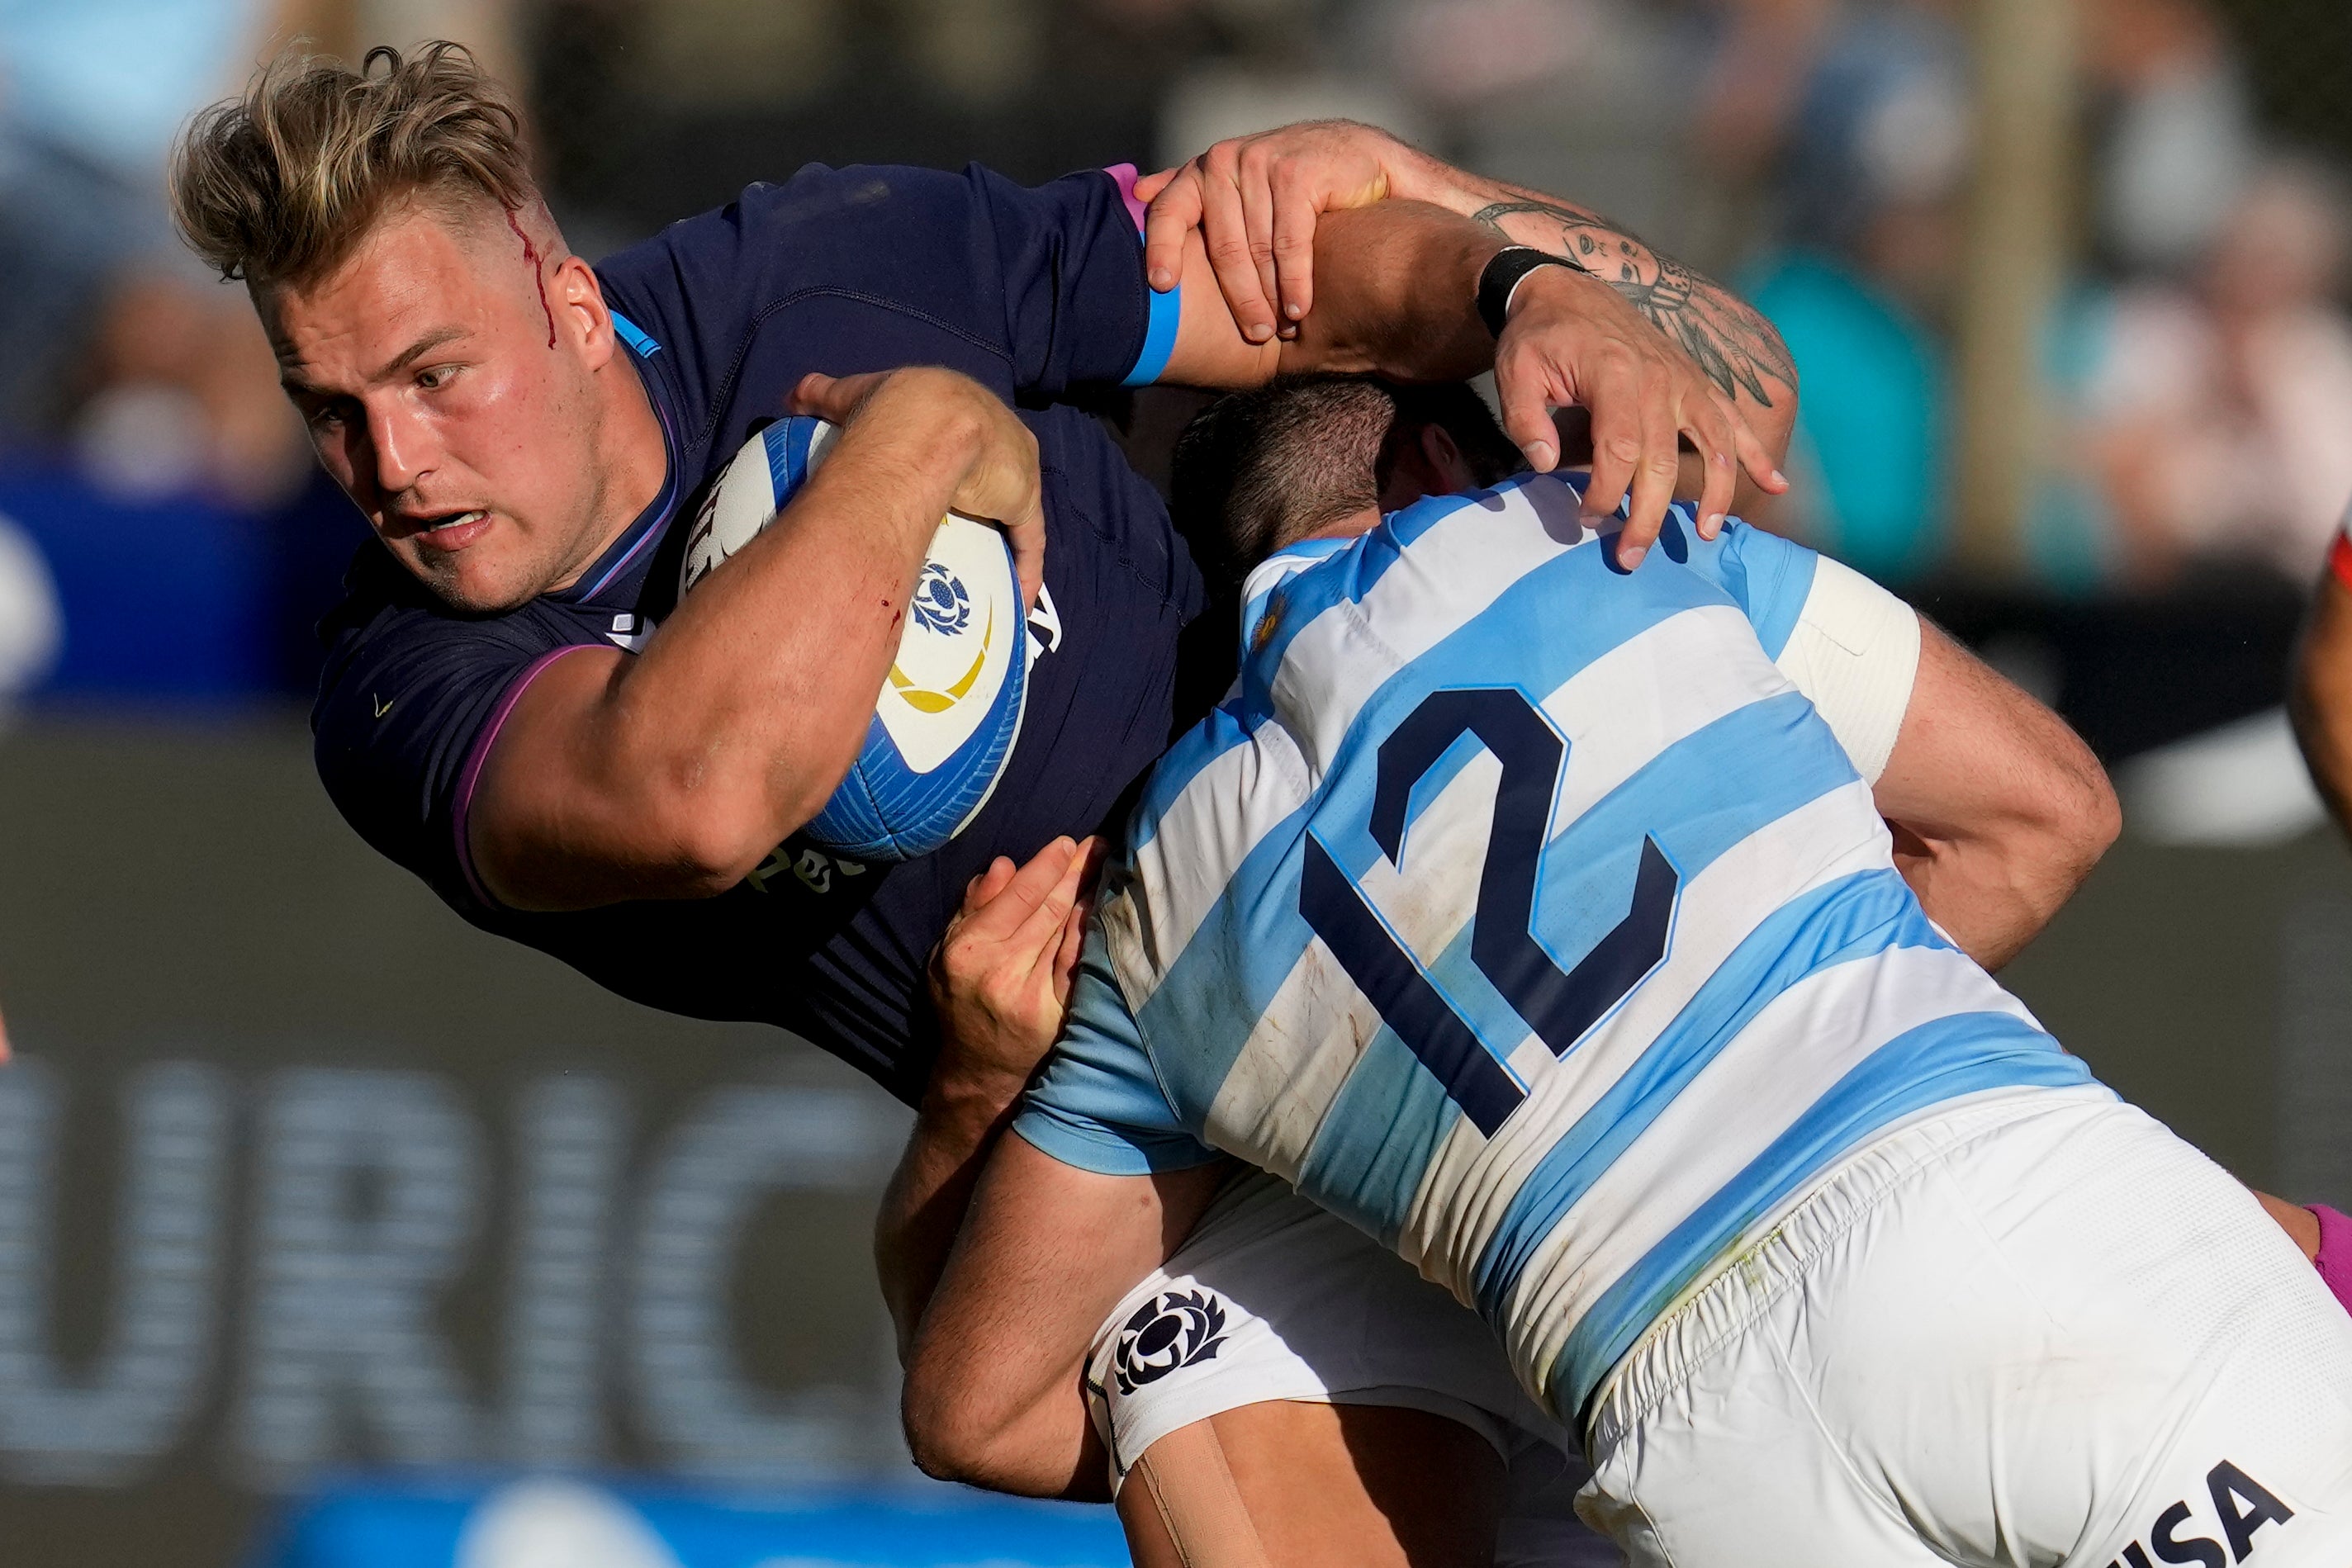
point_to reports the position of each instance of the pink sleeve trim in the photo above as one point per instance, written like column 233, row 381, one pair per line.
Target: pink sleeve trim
column 1125, row 175
column 471, row 774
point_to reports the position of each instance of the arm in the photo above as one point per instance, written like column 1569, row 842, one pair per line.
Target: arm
column 673, row 772
column 999, row 986
column 991, row 1395
column 1398, row 286
column 1259, row 200
column 1999, row 810
column 2320, row 699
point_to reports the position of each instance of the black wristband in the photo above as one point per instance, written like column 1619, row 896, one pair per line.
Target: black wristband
column 1501, row 275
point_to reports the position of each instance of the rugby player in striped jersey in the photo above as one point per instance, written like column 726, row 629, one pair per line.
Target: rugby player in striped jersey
column 1543, row 919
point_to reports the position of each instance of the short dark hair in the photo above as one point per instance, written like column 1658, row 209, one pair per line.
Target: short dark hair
column 1264, row 468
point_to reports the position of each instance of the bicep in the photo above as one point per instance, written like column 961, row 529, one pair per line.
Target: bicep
column 1975, row 753
column 540, row 820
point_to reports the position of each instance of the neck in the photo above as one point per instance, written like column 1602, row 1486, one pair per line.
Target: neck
column 629, row 437
column 1349, row 526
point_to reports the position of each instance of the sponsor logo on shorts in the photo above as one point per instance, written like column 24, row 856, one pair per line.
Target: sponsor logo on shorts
column 2242, row 1505
column 1175, row 1329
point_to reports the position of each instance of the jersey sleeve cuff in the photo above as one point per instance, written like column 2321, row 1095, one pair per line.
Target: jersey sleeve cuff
column 2339, row 559
column 1090, row 1147
column 1162, row 311
column 1854, row 652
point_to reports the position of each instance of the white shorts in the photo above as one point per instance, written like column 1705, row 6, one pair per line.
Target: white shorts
column 1272, row 1298
column 2042, row 1331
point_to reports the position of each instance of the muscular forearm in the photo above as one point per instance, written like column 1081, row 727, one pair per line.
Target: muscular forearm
column 1397, row 292
column 673, row 773
column 1999, row 810
column 962, row 1114
column 1990, row 898
column 1396, row 295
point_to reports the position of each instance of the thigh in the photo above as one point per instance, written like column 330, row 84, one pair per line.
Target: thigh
column 2191, row 1354
column 1272, row 1299
column 1345, row 1397
column 1294, row 1484
column 1726, row 1464
column 2063, row 1333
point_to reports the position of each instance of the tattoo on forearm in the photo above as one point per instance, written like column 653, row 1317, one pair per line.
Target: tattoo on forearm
column 1737, row 348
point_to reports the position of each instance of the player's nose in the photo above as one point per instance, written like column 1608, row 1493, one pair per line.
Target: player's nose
column 400, row 449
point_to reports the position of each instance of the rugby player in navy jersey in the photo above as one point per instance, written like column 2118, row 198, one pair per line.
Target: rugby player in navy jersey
column 523, row 432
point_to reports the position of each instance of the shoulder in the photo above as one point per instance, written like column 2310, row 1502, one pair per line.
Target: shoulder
column 1769, row 577
column 849, row 226
column 387, row 619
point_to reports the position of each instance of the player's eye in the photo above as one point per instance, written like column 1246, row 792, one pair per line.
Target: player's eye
column 433, row 377
column 325, row 415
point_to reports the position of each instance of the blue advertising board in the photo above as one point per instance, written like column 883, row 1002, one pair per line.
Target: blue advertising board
column 564, row 1522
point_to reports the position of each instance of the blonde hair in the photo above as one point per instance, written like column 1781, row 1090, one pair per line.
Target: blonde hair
column 279, row 185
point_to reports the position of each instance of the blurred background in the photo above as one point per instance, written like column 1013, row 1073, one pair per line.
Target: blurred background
column 326, row 1224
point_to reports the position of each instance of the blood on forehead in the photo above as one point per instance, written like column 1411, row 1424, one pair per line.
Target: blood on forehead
column 538, row 274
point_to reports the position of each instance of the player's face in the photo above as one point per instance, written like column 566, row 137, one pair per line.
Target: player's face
column 455, row 402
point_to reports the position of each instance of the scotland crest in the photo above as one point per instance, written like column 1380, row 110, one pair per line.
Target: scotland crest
column 1175, row 1329
column 941, row 603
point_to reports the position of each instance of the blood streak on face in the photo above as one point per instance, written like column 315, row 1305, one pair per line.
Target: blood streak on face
column 538, row 275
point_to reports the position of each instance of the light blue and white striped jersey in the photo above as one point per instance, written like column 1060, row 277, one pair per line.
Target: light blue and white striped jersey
column 1523, row 912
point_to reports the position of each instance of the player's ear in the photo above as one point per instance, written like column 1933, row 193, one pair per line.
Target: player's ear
column 1422, row 461
column 578, row 309
column 1443, row 455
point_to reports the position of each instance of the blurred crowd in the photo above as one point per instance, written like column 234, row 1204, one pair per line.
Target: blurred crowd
column 165, row 536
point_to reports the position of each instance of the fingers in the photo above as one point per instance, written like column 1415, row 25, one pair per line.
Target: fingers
column 1711, row 437
column 1616, row 441
column 1149, row 186
column 1755, row 457
column 1039, row 934
column 1225, row 229
column 1072, row 948
column 1295, row 216
column 1026, row 534
column 1257, row 222
column 1019, row 895
column 983, row 889
column 1175, row 214
column 835, row 398
column 1074, row 929
column 1654, row 473
column 1527, row 412
column 1084, row 867
column 812, row 395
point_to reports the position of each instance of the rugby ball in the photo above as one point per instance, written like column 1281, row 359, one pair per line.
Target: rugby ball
column 950, row 708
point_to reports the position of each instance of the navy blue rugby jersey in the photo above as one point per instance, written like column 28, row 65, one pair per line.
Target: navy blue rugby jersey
column 1032, row 292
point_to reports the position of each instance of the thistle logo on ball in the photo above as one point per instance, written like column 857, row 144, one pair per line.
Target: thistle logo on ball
column 949, row 712
column 941, row 602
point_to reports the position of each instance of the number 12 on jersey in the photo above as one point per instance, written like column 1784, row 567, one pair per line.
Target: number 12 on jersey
column 1557, row 1005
